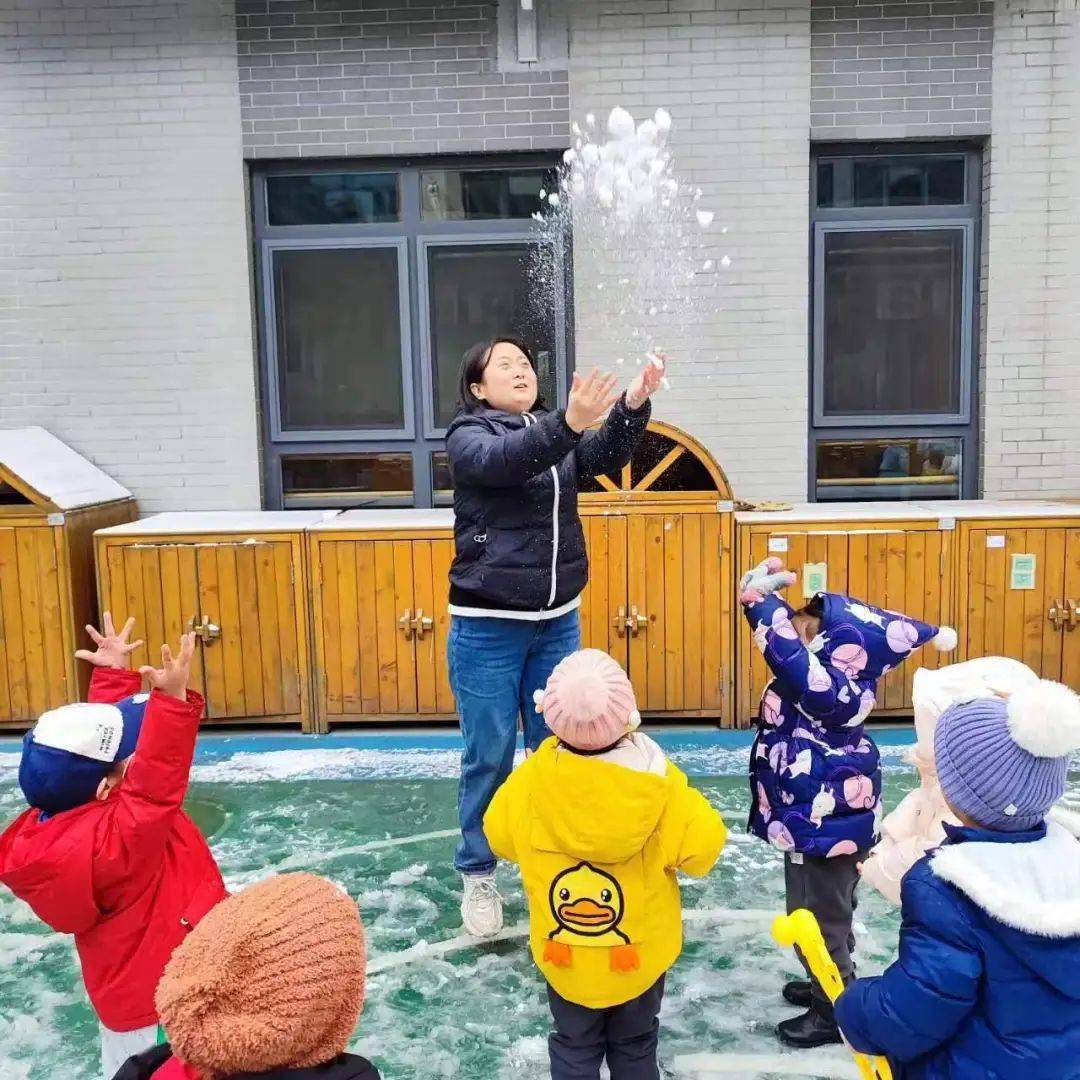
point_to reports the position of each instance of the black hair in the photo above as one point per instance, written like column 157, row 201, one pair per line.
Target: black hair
column 474, row 363
column 814, row 607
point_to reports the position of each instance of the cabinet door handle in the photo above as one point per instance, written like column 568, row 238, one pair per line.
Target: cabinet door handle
column 421, row 624
column 1057, row 614
column 636, row 623
column 405, row 623
column 207, row 631
column 622, row 627
column 1072, row 615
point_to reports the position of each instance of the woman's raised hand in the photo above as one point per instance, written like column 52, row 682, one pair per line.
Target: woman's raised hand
column 648, row 382
column 590, row 398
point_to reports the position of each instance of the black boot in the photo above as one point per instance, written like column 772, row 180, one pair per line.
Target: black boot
column 797, row 992
column 815, row 1027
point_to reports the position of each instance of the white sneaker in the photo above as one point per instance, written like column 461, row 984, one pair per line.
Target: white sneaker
column 481, row 906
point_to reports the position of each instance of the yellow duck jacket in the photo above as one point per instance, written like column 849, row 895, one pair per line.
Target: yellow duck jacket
column 598, row 845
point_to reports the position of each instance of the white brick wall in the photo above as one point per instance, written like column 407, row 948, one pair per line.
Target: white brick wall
column 125, row 302
column 735, row 75
column 1031, row 402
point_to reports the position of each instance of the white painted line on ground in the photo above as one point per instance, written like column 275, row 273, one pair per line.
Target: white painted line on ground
column 293, row 861
column 807, row 1063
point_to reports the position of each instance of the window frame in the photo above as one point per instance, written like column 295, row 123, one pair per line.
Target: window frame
column 412, row 234
column 966, row 215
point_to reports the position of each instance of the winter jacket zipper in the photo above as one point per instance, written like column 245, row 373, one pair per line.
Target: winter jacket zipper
column 529, row 420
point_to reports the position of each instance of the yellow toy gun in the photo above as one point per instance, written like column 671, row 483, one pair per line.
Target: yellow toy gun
column 801, row 928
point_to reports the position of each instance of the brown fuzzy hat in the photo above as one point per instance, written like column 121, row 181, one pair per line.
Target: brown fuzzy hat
column 271, row 978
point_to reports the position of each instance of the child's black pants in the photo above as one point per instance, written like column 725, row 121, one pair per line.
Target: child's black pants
column 827, row 888
column 625, row 1034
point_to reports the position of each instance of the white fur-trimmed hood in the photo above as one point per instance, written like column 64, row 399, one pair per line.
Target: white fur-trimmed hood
column 1033, row 887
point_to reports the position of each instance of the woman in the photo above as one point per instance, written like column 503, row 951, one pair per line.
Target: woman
column 520, row 567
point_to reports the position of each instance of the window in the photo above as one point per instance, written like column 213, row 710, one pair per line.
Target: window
column 894, row 272
column 372, row 283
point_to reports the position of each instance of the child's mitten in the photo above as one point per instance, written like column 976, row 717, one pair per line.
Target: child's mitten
column 765, row 578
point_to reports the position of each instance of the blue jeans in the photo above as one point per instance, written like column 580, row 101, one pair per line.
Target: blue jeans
column 495, row 665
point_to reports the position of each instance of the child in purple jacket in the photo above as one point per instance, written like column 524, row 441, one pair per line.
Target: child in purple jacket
column 814, row 774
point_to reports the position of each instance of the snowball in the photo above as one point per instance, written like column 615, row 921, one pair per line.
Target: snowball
column 553, row 199
column 570, row 156
column 652, row 311
column 620, row 360
column 590, row 119
column 543, row 194
column 725, row 262
column 620, row 123
column 704, row 218
column 599, row 284
column 662, row 119
column 708, row 264
column 575, row 127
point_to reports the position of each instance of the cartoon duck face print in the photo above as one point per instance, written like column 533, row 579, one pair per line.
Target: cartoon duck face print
column 587, row 902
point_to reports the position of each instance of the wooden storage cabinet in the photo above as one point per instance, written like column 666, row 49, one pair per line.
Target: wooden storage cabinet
column 380, row 582
column 51, row 501
column 239, row 580
column 1019, row 585
column 899, row 556
column 659, row 597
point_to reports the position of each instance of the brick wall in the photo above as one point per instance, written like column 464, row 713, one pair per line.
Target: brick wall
column 1031, row 440
column 371, row 77
column 736, row 79
column 123, row 237
column 899, row 70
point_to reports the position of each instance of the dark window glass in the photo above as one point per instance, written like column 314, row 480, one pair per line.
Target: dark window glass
column 825, row 187
column 9, row 496
column 483, row 194
column 893, row 312
column 349, row 480
column 478, row 290
column 339, row 339
column 890, row 181
column 332, row 199
column 442, row 483
column 889, row 468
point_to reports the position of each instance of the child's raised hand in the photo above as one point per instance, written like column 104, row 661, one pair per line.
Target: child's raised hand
column 113, row 649
column 172, row 677
column 589, row 399
column 765, row 578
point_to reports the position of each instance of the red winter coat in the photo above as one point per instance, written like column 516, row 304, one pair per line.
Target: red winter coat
column 129, row 876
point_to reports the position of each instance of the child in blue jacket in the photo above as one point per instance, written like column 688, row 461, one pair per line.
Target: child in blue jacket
column 814, row 776
column 987, row 984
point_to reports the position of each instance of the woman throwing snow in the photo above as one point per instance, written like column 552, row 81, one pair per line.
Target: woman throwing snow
column 520, row 566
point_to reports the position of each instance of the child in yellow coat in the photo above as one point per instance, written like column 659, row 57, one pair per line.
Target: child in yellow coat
column 599, row 821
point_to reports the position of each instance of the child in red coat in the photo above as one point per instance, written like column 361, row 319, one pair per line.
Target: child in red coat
column 105, row 852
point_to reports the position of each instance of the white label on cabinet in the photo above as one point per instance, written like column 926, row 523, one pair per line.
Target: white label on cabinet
column 995, row 541
column 815, row 579
column 778, row 543
column 1022, row 572
column 947, row 524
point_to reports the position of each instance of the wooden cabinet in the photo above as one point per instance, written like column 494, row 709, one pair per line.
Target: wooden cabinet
column 899, row 556
column 658, row 597
column 380, row 582
column 237, row 579
column 1019, row 585
column 660, row 592
column 51, row 501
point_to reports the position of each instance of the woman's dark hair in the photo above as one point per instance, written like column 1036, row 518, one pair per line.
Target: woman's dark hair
column 473, row 364
column 815, row 607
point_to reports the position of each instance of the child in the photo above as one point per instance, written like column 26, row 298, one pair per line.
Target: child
column 917, row 824
column 105, row 851
column 815, row 781
column 270, row 983
column 599, row 821
column 988, row 979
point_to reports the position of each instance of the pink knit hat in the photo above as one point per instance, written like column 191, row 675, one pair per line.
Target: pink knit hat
column 589, row 702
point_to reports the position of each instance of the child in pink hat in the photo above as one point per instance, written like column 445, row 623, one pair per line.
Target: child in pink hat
column 600, row 821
